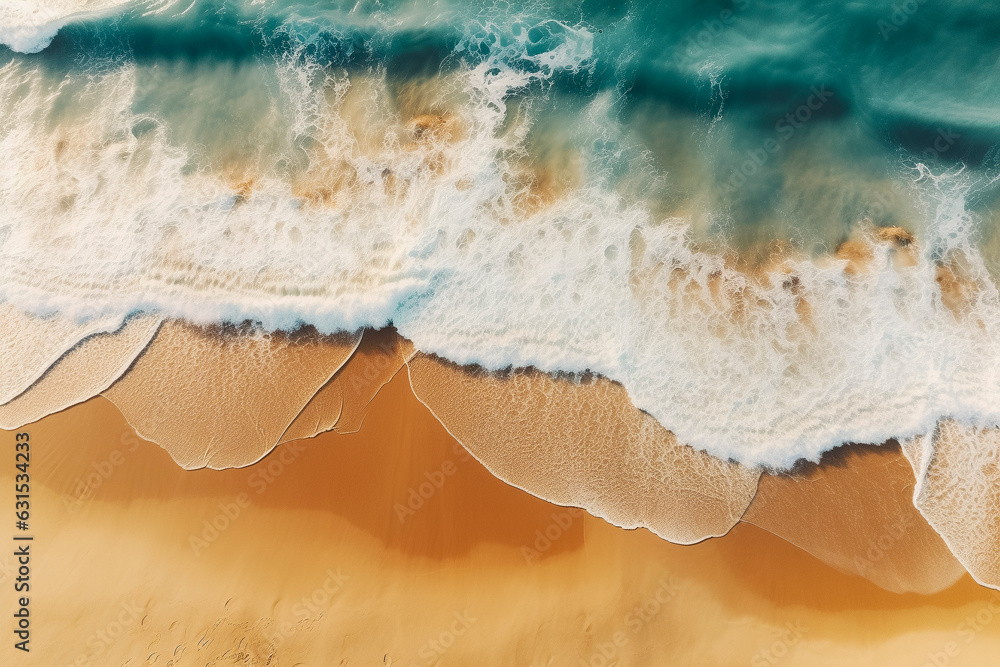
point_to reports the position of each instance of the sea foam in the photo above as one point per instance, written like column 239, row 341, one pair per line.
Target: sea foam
column 29, row 26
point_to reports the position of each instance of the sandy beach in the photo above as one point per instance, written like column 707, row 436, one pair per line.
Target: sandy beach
column 392, row 546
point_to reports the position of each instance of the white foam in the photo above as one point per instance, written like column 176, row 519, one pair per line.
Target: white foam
column 883, row 358
column 429, row 236
column 29, row 26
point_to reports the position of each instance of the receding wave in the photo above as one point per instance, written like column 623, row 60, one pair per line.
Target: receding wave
column 82, row 372
column 237, row 393
column 585, row 444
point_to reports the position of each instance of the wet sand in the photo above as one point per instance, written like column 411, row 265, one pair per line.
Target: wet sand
column 392, row 546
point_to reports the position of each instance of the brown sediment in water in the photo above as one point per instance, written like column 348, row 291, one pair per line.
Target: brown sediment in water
column 324, row 185
column 431, row 135
column 546, row 173
column 426, row 96
column 434, row 128
column 959, row 288
column 543, row 182
column 409, row 130
column 332, row 176
column 312, row 562
column 859, row 251
column 242, row 184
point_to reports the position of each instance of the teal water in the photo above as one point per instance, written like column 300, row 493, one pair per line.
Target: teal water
column 897, row 81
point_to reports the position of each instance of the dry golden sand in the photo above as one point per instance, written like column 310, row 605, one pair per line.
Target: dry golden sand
column 321, row 567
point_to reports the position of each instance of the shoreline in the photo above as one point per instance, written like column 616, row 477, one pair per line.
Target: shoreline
column 314, row 560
